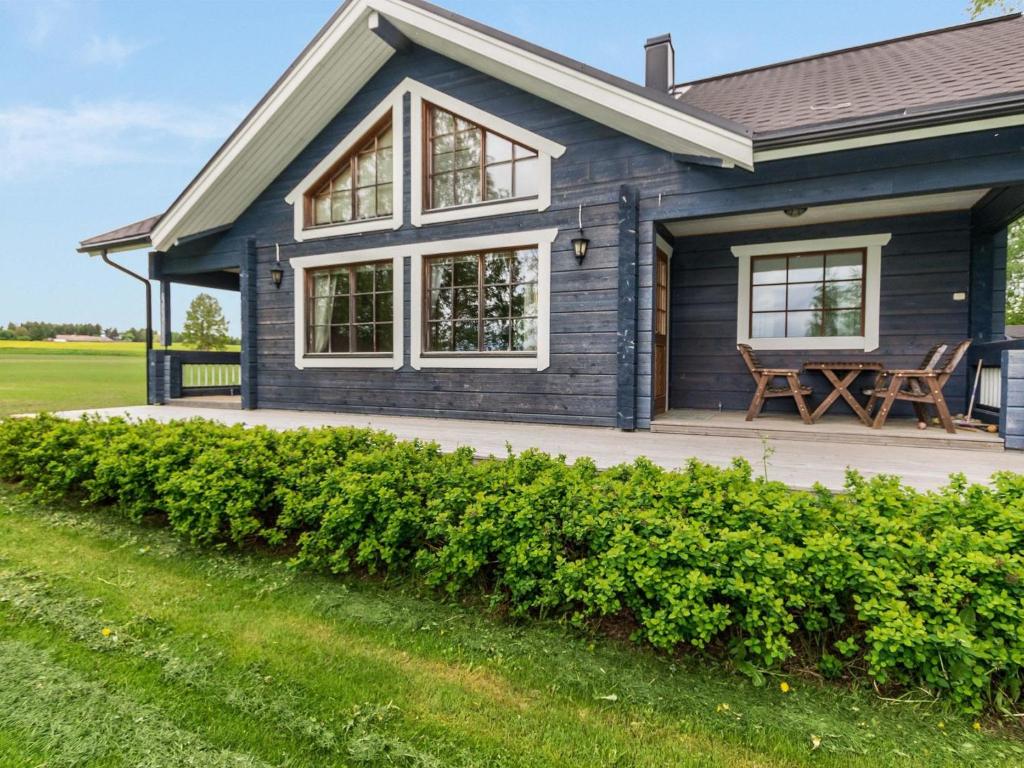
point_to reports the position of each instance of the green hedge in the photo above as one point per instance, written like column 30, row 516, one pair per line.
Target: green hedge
column 906, row 588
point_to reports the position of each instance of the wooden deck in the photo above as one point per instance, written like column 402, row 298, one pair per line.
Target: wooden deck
column 224, row 402
column 832, row 428
column 795, row 461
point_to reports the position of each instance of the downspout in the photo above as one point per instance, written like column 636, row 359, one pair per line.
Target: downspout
column 149, row 310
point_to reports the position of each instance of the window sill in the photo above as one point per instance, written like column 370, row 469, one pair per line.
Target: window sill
column 348, row 228
column 479, row 210
column 812, row 343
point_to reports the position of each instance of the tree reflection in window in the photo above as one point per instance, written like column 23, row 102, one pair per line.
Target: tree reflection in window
column 350, row 309
column 360, row 186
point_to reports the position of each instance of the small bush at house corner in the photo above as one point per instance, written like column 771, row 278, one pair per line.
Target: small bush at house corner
column 906, row 588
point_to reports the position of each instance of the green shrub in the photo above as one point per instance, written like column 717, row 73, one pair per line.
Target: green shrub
column 907, row 588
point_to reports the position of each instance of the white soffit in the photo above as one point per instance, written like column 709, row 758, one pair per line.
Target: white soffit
column 343, row 58
column 824, row 214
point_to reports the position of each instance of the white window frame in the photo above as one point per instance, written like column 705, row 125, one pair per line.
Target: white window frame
column 872, row 244
column 542, row 239
column 351, row 360
column 545, row 148
column 296, row 198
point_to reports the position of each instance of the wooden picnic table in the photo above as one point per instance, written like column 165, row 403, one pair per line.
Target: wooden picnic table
column 850, row 369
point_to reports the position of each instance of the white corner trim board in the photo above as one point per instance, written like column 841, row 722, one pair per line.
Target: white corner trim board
column 546, row 149
column 302, row 263
column 872, row 244
column 393, row 104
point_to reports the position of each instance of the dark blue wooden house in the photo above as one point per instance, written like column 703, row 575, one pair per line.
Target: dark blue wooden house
column 426, row 216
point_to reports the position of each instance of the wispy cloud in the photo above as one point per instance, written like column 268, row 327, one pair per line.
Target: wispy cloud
column 110, row 49
column 44, row 140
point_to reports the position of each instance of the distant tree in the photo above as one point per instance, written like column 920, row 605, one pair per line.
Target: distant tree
column 111, row 333
column 978, row 7
column 1015, row 274
column 205, row 326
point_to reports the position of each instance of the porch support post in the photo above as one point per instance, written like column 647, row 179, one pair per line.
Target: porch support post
column 247, row 290
column 165, row 313
column 629, row 207
column 988, row 255
column 1011, row 412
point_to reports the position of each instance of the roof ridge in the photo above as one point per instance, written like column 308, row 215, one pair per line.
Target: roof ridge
column 862, row 46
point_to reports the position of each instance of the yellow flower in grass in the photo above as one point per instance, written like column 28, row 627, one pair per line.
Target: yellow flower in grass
column 784, row 686
column 105, row 632
column 976, row 726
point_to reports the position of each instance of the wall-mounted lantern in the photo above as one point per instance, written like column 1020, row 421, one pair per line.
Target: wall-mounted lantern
column 276, row 273
column 580, row 244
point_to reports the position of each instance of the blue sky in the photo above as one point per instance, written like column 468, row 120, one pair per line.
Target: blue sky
column 108, row 109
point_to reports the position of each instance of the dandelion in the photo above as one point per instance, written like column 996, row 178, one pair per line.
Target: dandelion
column 105, row 632
column 976, row 726
column 942, row 725
column 784, row 686
column 722, row 708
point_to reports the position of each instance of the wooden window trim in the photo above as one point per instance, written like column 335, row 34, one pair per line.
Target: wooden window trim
column 824, row 253
column 349, row 159
column 309, row 298
column 427, row 128
column 481, row 318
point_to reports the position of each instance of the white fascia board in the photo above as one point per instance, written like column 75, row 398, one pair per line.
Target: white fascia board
column 872, row 292
column 350, row 18
column 393, row 104
column 891, row 137
column 659, row 124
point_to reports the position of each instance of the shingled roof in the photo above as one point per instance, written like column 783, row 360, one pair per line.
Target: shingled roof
column 136, row 232
column 970, row 64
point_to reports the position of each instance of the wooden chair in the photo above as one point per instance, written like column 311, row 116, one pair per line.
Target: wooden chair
column 764, row 378
column 881, row 384
column 922, row 387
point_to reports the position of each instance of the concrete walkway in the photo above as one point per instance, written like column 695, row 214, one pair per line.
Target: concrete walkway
column 795, row 462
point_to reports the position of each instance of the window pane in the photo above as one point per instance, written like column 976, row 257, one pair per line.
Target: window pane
column 469, row 140
column 364, row 278
column 498, row 149
column 466, row 304
column 322, row 210
column 443, row 162
column 466, row 159
column 466, row 336
column 319, row 339
column 366, row 203
column 341, row 206
column 385, row 277
column 385, row 337
column 522, row 151
column 339, row 338
column 340, row 283
column 768, row 325
column 467, row 187
column 767, row 297
column 846, row 295
column 843, row 323
column 364, row 338
column 496, row 335
column 499, row 181
column 386, row 138
column 524, row 300
column 525, row 268
column 343, row 181
column 497, row 267
column 806, row 268
column 801, row 296
column 339, row 315
column 465, row 270
column 383, row 306
column 322, row 311
column 384, row 166
column 497, row 301
column 844, row 266
column 441, row 273
column 804, row 324
column 524, row 335
column 366, row 166
column 526, row 178
column 441, row 305
column 364, row 308
column 384, row 200
column 768, row 270
column 321, row 284
column 439, row 337
column 442, row 122
column 442, row 193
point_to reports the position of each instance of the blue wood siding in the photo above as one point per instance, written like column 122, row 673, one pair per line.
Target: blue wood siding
column 925, row 263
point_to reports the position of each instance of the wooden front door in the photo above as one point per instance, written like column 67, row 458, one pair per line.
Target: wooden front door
column 661, row 333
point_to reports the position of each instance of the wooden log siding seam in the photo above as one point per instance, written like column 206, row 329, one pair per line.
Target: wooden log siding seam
column 629, row 202
column 248, row 280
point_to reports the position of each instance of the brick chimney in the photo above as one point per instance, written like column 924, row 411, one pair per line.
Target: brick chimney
column 661, row 63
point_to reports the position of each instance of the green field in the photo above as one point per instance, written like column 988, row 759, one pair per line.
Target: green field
column 52, row 376
column 121, row 646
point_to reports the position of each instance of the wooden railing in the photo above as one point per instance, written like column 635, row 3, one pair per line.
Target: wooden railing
column 175, row 374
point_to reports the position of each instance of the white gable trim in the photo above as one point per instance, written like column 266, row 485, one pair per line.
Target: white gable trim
column 393, row 104
column 546, row 149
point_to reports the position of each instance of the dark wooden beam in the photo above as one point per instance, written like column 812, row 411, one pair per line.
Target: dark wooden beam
column 248, row 279
column 629, row 201
column 165, row 313
column 998, row 209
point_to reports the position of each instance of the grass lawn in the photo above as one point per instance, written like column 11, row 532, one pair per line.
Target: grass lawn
column 51, row 376
column 121, row 646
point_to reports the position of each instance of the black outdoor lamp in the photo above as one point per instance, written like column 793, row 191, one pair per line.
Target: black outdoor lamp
column 276, row 273
column 580, row 244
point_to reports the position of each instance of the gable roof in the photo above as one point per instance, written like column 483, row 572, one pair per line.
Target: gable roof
column 931, row 73
column 347, row 52
column 129, row 236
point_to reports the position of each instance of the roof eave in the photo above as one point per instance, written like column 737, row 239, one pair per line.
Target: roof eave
column 114, row 246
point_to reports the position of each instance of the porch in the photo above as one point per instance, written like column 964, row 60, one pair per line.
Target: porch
column 796, row 461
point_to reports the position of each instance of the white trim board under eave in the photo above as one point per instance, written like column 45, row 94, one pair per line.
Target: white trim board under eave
column 826, row 214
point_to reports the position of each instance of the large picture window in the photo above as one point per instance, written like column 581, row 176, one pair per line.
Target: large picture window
column 350, row 309
column 481, row 302
column 360, row 186
column 807, row 295
column 468, row 164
